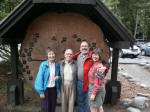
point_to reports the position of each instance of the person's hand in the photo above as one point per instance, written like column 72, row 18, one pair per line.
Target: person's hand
column 102, row 69
column 57, row 78
column 92, row 97
column 42, row 96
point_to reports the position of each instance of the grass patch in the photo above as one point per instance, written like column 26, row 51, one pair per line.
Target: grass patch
column 26, row 85
column 3, row 87
column 4, row 67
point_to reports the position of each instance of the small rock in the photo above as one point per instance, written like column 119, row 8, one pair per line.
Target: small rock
column 147, row 66
column 119, row 68
column 147, row 105
column 129, row 77
column 138, row 83
column 143, row 95
column 124, row 74
column 120, row 73
column 143, row 85
column 125, row 103
column 131, row 80
column 139, row 102
column 131, row 109
column 142, row 64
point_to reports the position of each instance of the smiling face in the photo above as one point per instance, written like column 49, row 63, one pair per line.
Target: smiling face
column 84, row 48
column 68, row 55
column 51, row 56
column 95, row 57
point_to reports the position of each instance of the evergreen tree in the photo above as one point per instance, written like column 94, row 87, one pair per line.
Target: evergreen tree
column 135, row 14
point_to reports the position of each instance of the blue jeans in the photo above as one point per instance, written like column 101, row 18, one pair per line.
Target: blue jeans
column 82, row 98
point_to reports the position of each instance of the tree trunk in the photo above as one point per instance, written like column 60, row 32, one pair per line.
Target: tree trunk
column 121, row 7
column 136, row 24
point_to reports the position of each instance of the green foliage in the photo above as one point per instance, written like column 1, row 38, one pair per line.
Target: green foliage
column 26, row 85
column 2, row 14
column 6, row 6
column 3, row 87
column 4, row 68
column 132, row 13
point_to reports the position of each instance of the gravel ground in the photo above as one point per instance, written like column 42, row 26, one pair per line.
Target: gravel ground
column 128, row 90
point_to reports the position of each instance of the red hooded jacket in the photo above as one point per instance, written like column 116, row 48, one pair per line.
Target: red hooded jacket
column 86, row 67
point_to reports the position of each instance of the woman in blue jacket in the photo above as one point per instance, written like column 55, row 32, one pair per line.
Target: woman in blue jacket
column 47, row 82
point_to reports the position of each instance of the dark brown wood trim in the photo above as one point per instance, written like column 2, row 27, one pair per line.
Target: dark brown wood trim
column 91, row 2
column 14, row 13
column 12, row 20
column 120, row 44
column 113, row 26
column 14, row 60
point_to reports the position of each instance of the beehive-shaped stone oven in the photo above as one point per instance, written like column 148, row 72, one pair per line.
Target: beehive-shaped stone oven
column 59, row 31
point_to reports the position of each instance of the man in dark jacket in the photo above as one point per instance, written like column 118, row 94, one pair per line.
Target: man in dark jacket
column 68, row 69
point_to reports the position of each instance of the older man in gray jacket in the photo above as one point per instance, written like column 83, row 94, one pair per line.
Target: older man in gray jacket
column 68, row 69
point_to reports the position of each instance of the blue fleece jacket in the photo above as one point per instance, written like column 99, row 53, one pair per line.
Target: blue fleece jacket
column 43, row 77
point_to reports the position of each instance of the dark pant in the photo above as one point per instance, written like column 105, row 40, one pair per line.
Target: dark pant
column 48, row 104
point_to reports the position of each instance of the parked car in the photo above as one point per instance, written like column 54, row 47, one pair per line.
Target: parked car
column 145, row 49
column 139, row 42
column 132, row 52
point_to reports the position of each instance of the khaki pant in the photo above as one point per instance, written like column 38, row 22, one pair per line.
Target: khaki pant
column 68, row 98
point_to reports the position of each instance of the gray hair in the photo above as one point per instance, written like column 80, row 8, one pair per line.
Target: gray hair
column 68, row 49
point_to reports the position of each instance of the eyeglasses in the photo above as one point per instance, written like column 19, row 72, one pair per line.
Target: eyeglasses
column 84, row 46
column 69, row 54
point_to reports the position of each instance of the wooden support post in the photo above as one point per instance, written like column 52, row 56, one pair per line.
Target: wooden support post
column 14, row 59
column 113, row 87
column 15, row 89
column 114, row 64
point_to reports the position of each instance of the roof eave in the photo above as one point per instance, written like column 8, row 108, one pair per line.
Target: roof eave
column 90, row 2
column 122, row 32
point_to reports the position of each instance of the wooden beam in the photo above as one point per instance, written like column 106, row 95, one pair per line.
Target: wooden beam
column 120, row 44
column 91, row 2
column 14, row 59
column 1, row 40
